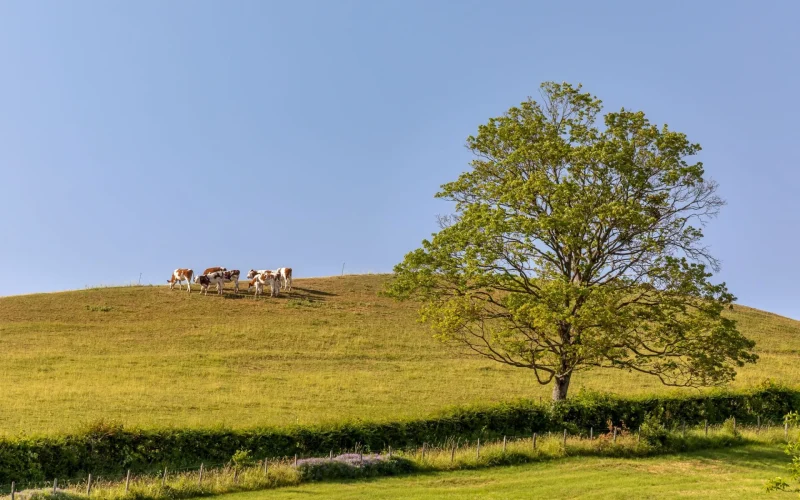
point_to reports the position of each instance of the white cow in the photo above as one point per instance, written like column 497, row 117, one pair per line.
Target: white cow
column 206, row 280
column 285, row 275
column 179, row 276
column 266, row 278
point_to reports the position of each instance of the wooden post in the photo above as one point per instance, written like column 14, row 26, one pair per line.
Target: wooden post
column 615, row 434
column 423, row 452
column 565, row 438
column 453, row 453
column 127, row 481
column 478, row 452
column 330, row 455
column 734, row 425
column 534, row 441
column 639, row 435
column 89, row 485
column 390, row 452
column 504, row 444
column 200, row 480
column 266, row 467
column 13, row 484
column 591, row 433
column 295, row 460
column 683, row 430
column 55, row 486
column 706, row 426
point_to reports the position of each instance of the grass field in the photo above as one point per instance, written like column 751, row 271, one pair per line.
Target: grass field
column 724, row 473
column 331, row 350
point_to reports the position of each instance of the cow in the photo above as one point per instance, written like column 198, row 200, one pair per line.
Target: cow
column 213, row 270
column 266, row 278
column 285, row 275
column 179, row 276
column 205, row 280
column 253, row 273
column 232, row 275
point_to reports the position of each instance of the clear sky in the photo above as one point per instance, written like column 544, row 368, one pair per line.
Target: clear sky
column 137, row 137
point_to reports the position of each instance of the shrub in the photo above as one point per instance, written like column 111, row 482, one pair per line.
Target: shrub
column 109, row 449
column 653, row 431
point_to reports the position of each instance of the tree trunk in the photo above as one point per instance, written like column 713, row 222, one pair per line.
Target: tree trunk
column 560, row 386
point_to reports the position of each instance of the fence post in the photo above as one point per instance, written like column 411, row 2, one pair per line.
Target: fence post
column 478, row 452
column 534, row 441
column 706, row 426
column 330, row 455
column 734, row 425
column 295, row 460
column 453, row 453
column 423, row 451
column 683, row 429
column 200, row 480
column 266, row 465
column 591, row 433
column 565, row 438
column 13, row 484
column 390, row 452
column 89, row 485
column 615, row 434
column 639, row 435
column 55, row 485
column 504, row 444
column 127, row 481
column 164, row 479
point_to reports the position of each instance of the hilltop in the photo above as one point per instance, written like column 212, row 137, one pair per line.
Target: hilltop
column 331, row 350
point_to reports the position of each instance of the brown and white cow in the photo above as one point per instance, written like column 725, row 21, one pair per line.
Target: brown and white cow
column 253, row 273
column 180, row 275
column 206, row 280
column 232, row 275
column 213, row 270
column 266, row 278
column 285, row 275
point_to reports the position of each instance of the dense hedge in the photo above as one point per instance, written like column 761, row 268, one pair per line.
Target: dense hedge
column 111, row 449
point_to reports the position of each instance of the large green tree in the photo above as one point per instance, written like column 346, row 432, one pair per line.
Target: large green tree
column 576, row 245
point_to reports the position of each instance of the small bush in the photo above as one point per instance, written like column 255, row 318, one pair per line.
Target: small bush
column 653, row 431
column 776, row 484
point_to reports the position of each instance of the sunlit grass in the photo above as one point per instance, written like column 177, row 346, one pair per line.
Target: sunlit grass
column 333, row 350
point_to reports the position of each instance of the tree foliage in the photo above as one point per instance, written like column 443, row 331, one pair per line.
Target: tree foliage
column 577, row 246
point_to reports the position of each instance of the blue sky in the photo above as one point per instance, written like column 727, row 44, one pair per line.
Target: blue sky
column 137, row 137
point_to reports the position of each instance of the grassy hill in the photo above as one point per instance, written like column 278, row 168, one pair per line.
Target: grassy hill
column 331, row 350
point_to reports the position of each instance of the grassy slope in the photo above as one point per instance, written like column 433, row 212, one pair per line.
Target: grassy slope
column 332, row 350
column 724, row 473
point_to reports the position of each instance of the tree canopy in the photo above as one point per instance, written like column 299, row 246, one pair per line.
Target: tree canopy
column 575, row 246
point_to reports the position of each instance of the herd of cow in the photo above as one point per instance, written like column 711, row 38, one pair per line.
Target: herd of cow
column 276, row 280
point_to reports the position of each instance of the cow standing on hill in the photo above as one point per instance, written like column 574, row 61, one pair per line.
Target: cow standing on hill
column 179, row 276
column 285, row 275
column 266, row 278
column 207, row 280
column 232, row 275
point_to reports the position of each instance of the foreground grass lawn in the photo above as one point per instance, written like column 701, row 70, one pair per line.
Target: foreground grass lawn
column 730, row 473
column 332, row 350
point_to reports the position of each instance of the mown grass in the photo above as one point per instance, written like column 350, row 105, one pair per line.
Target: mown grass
column 719, row 473
column 332, row 350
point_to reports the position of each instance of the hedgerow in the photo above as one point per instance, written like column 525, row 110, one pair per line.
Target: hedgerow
column 112, row 449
